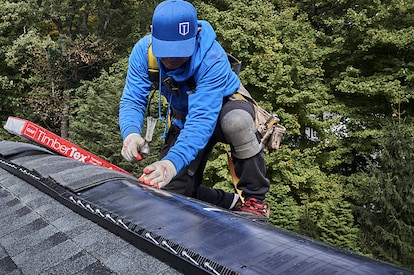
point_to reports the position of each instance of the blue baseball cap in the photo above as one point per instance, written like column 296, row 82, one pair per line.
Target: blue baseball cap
column 174, row 29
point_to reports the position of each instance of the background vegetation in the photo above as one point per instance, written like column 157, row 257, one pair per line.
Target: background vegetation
column 339, row 74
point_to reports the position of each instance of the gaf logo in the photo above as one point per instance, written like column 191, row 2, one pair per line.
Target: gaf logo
column 184, row 28
column 30, row 131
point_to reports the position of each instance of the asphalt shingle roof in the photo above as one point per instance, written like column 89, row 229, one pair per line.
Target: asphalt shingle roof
column 38, row 235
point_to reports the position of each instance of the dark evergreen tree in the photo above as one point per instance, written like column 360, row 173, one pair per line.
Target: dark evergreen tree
column 50, row 46
column 386, row 210
column 368, row 67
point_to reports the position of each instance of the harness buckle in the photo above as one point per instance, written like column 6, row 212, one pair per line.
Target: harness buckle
column 172, row 86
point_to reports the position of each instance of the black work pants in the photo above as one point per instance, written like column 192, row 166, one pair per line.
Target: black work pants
column 251, row 172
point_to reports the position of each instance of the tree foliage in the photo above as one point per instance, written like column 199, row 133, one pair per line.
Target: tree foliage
column 56, row 45
column 386, row 206
column 338, row 69
column 369, row 67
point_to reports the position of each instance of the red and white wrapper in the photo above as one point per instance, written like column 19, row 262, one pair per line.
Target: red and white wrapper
column 41, row 136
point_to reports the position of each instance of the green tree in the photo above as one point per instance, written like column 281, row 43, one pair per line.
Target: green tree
column 386, row 209
column 13, row 24
column 369, row 68
column 51, row 46
column 94, row 113
column 310, row 201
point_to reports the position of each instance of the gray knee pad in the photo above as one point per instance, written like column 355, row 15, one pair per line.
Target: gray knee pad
column 239, row 129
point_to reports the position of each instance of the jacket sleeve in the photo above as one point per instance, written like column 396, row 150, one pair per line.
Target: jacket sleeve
column 137, row 87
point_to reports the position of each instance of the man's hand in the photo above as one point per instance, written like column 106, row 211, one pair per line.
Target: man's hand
column 132, row 144
column 158, row 174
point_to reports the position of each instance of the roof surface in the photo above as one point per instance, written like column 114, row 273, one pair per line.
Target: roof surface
column 39, row 235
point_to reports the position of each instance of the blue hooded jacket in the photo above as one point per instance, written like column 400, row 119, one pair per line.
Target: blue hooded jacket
column 214, row 79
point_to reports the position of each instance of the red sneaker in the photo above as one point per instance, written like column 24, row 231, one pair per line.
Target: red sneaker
column 256, row 207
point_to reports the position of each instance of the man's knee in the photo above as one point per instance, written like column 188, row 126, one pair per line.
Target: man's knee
column 239, row 129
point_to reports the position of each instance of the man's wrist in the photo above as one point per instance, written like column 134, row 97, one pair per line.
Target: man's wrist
column 174, row 161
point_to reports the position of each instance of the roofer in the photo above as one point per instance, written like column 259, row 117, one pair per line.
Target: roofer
column 197, row 81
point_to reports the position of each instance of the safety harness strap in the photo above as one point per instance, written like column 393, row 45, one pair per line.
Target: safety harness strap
column 235, row 179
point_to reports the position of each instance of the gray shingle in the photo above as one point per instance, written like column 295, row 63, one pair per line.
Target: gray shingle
column 51, row 212
column 16, row 245
column 49, row 257
column 23, row 232
column 35, row 199
column 11, row 148
column 96, row 269
column 7, row 266
column 8, row 205
column 73, row 265
column 72, row 224
column 12, row 222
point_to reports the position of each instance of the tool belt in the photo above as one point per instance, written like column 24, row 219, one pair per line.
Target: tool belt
column 266, row 124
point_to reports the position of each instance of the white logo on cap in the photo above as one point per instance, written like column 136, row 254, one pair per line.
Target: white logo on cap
column 184, row 28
